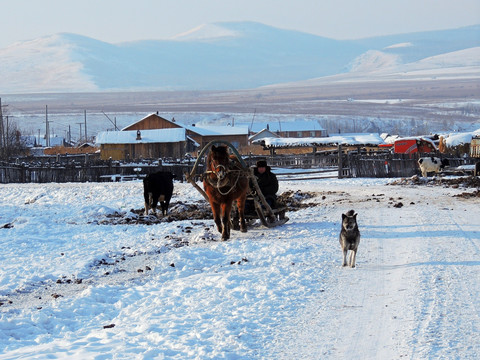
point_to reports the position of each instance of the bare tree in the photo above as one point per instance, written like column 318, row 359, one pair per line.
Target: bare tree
column 11, row 141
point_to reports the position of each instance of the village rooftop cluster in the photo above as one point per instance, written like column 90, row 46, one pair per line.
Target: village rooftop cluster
column 154, row 137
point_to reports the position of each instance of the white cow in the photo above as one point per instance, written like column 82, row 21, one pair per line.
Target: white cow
column 431, row 164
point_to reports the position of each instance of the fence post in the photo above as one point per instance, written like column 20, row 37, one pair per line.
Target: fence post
column 23, row 171
column 340, row 162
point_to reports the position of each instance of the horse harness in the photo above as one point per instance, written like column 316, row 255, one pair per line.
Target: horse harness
column 223, row 181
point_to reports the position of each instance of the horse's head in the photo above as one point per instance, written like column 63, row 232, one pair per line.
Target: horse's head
column 217, row 161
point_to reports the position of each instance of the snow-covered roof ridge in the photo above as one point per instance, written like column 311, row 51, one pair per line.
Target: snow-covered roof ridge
column 274, row 126
column 212, row 130
column 146, row 136
column 345, row 139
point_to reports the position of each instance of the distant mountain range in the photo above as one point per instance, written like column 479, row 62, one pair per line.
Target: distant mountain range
column 225, row 56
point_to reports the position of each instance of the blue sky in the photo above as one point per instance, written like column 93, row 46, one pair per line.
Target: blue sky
column 126, row 20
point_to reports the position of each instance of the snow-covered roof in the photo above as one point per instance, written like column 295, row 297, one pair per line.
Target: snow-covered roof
column 389, row 139
column 262, row 134
column 147, row 136
column 193, row 141
column 457, row 139
column 213, row 130
column 345, row 139
column 277, row 126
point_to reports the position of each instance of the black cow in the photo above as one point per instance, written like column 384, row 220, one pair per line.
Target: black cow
column 158, row 187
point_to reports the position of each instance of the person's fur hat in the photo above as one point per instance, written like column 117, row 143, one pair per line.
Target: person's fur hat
column 261, row 163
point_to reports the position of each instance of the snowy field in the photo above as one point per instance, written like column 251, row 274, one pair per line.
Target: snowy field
column 75, row 286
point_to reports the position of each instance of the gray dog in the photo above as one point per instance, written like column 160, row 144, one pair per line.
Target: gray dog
column 349, row 237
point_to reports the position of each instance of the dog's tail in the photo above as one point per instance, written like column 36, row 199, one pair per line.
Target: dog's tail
column 350, row 213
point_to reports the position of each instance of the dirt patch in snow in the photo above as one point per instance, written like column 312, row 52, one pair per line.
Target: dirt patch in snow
column 200, row 210
column 458, row 182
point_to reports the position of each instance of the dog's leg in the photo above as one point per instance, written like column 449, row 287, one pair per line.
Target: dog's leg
column 344, row 257
column 353, row 256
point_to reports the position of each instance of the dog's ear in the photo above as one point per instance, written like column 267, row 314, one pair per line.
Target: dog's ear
column 355, row 216
column 344, row 216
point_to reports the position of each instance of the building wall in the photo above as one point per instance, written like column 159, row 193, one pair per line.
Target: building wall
column 302, row 133
column 142, row 151
column 475, row 148
column 114, row 151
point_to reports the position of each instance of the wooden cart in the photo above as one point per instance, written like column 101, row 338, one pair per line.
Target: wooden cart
column 268, row 217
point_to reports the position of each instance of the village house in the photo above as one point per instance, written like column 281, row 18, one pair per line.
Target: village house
column 236, row 135
column 143, row 144
column 156, row 137
column 289, row 129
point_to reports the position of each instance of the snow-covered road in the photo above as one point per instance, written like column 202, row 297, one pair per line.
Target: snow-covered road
column 415, row 294
column 174, row 291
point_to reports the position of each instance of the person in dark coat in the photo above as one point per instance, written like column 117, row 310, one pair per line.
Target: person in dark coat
column 267, row 181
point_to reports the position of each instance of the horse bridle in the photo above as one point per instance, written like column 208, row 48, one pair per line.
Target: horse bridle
column 221, row 173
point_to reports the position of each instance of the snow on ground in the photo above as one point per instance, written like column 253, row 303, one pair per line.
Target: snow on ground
column 74, row 286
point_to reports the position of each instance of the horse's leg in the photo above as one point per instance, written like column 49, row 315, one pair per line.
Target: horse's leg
column 234, row 218
column 216, row 216
column 226, row 208
column 241, row 212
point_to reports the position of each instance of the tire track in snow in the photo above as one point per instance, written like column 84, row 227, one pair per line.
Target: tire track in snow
column 448, row 310
column 357, row 314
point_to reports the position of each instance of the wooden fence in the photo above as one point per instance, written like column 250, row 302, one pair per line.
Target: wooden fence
column 86, row 170
column 392, row 165
column 89, row 172
column 297, row 161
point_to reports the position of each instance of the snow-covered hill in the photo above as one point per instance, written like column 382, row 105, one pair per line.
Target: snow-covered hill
column 462, row 63
column 232, row 55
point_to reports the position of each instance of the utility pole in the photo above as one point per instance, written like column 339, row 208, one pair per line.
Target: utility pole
column 7, row 140
column 114, row 123
column 80, row 139
column 2, row 142
column 253, row 118
column 47, row 128
column 85, row 115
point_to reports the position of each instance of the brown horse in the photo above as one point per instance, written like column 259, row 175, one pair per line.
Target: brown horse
column 225, row 181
